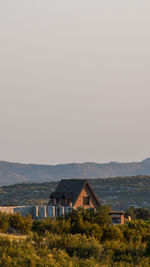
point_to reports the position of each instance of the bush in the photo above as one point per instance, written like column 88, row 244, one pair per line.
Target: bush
column 112, row 233
column 4, row 222
column 22, row 224
column 75, row 245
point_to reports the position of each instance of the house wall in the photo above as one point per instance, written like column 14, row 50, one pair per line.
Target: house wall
column 8, row 210
column 23, row 210
column 39, row 212
column 122, row 219
column 86, row 192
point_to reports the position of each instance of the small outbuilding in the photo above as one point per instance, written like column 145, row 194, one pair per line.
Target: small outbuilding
column 118, row 217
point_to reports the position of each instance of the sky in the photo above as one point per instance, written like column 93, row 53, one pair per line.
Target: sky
column 74, row 81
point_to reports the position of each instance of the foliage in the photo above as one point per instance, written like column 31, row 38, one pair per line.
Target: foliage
column 22, row 224
column 118, row 192
column 4, row 222
column 138, row 213
column 83, row 238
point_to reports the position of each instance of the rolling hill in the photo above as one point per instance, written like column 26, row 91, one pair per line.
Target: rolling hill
column 119, row 193
column 13, row 173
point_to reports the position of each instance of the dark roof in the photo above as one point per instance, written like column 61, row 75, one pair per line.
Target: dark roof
column 71, row 189
column 116, row 212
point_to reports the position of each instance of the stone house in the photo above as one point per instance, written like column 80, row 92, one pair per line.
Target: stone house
column 74, row 193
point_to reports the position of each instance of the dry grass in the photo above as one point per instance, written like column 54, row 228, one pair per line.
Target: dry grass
column 14, row 236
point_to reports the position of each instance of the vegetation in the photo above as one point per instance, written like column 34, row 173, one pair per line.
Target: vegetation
column 13, row 173
column 26, row 194
column 83, row 238
column 120, row 193
column 138, row 213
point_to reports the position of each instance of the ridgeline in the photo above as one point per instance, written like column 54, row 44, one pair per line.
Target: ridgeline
column 13, row 173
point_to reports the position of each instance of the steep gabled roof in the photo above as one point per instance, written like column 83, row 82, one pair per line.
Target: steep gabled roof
column 71, row 189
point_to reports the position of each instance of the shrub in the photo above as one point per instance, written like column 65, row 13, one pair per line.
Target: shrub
column 112, row 233
column 4, row 222
column 21, row 224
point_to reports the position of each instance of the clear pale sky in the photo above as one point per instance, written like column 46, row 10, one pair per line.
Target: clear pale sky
column 74, row 80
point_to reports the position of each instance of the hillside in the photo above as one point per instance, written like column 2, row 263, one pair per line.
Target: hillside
column 120, row 193
column 12, row 173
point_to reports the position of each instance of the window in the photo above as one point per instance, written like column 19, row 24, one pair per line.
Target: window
column 57, row 201
column 54, row 201
column 116, row 220
column 66, row 202
column 86, row 200
column 62, row 201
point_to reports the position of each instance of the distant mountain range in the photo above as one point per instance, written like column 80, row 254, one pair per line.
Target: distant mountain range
column 13, row 173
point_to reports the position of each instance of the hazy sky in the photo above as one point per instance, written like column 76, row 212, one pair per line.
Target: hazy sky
column 74, row 80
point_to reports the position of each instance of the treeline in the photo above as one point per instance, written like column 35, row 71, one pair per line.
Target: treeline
column 82, row 238
column 138, row 213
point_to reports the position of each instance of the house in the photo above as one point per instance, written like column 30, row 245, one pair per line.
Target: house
column 74, row 193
